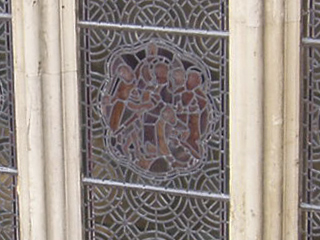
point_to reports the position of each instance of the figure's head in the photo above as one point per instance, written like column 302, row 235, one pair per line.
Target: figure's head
column 178, row 76
column 152, row 50
column 161, row 72
column 193, row 80
column 125, row 73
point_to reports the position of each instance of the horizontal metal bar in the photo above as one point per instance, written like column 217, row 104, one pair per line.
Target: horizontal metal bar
column 134, row 186
column 5, row 16
column 310, row 207
column 130, row 27
column 311, row 42
column 8, row 170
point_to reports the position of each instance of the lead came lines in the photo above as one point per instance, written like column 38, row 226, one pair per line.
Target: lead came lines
column 214, row 102
column 156, row 109
column 133, row 196
column 184, row 14
column 310, row 184
column 9, row 224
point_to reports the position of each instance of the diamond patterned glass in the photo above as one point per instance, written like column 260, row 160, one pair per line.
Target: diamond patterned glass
column 9, row 225
column 154, row 104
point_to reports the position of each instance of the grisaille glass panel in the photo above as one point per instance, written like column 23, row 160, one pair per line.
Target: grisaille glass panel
column 154, row 103
column 193, row 14
column 8, row 173
column 137, row 214
column 310, row 184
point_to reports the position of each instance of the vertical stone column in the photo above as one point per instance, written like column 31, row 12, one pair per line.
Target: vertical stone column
column 29, row 119
column 71, row 119
column 52, row 119
column 246, row 110
column 292, row 120
column 273, row 118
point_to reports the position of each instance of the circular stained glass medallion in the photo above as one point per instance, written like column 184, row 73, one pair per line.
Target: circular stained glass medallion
column 157, row 109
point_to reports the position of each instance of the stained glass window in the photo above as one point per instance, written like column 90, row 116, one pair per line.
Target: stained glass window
column 155, row 118
column 8, row 170
column 310, row 185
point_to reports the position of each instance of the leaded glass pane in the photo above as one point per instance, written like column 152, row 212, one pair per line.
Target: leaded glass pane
column 5, row 6
column 8, row 207
column 310, row 181
column 190, row 14
column 154, row 103
column 9, row 227
column 117, row 213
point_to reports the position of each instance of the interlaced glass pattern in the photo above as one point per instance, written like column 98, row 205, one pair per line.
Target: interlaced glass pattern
column 310, row 180
column 8, row 172
column 5, row 6
column 154, row 103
